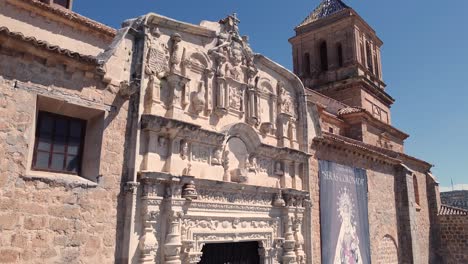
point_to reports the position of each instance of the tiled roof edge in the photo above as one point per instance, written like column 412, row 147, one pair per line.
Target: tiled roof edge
column 71, row 16
column 450, row 210
column 49, row 47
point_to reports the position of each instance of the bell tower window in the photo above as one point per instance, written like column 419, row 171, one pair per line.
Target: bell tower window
column 370, row 66
column 324, row 56
column 307, row 64
column 339, row 54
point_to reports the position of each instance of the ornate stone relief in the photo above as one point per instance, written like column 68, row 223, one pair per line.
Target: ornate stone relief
column 157, row 63
column 278, row 232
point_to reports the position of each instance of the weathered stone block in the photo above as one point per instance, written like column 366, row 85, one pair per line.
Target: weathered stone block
column 35, row 222
column 9, row 221
column 9, row 255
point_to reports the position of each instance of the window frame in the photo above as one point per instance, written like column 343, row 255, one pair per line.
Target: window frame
column 79, row 154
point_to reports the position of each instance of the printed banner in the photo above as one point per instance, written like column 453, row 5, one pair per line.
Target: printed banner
column 343, row 214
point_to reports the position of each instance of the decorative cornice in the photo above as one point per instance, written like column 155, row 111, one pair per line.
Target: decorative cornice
column 393, row 157
column 162, row 177
column 356, row 147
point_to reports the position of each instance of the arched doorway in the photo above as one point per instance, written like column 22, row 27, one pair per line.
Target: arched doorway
column 231, row 253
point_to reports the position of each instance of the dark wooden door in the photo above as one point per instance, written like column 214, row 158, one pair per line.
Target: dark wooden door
column 231, row 253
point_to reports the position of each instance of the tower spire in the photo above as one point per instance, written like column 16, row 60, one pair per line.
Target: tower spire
column 326, row 8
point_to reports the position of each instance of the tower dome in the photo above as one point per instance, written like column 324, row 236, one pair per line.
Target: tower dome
column 325, row 9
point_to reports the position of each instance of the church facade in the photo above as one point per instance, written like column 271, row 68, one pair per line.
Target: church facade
column 168, row 142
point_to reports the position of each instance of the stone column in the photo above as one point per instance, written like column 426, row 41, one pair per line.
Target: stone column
column 300, row 254
column 364, row 56
column 356, row 46
column 289, row 256
column 209, row 90
column 286, row 180
column 283, row 125
column 273, row 110
column 379, row 61
column 222, row 94
column 173, row 245
column 151, row 208
column 252, row 106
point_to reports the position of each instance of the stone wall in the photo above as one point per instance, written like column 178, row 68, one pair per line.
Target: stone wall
column 382, row 200
column 48, row 217
column 454, row 238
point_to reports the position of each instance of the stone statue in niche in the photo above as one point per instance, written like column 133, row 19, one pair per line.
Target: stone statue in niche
column 236, row 97
column 251, row 164
column 292, row 132
column 175, row 58
column 163, row 146
column 219, row 53
column 217, row 157
column 184, row 149
column 188, row 170
column 157, row 61
column 279, row 168
column 283, row 100
column 198, row 100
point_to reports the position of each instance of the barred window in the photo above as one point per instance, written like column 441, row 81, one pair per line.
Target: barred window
column 59, row 143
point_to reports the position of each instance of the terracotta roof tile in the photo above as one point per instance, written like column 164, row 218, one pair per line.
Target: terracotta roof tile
column 49, row 47
column 350, row 110
column 71, row 16
column 450, row 210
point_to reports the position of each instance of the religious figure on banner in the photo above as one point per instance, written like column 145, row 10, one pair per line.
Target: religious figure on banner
column 347, row 247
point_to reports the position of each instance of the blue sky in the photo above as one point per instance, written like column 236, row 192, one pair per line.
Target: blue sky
column 425, row 58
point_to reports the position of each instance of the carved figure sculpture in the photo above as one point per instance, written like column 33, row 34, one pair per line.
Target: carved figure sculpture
column 283, row 102
column 184, row 147
column 292, row 132
column 217, row 157
column 163, row 146
column 157, row 62
column 251, row 164
column 278, row 168
column 198, row 100
column 174, row 63
column 219, row 53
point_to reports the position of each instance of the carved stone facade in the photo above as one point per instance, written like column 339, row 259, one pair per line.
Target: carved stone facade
column 193, row 139
column 216, row 116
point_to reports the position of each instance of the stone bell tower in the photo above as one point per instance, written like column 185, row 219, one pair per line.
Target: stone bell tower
column 337, row 53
